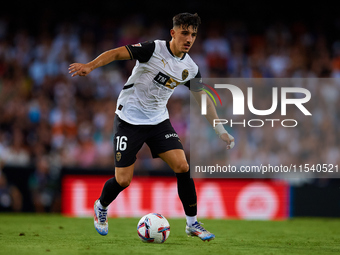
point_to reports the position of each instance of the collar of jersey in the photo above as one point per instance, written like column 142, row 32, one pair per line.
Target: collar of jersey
column 168, row 47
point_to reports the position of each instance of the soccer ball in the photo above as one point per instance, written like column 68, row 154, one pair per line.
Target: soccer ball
column 153, row 228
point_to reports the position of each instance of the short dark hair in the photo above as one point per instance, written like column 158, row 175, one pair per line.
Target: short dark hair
column 186, row 19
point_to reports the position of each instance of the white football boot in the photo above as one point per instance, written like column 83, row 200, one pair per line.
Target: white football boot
column 100, row 219
column 197, row 230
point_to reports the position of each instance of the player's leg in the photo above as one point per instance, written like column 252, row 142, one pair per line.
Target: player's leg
column 111, row 189
column 185, row 185
column 127, row 142
column 186, row 191
column 115, row 185
column 165, row 143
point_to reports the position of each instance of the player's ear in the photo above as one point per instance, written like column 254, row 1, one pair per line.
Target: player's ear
column 172, row 33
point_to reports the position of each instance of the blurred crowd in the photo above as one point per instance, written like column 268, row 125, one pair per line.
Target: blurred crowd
column 47, row 116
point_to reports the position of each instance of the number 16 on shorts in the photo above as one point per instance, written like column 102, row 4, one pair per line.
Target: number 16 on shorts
column 121, row 144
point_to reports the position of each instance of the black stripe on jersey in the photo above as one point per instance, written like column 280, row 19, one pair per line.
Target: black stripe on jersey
column 126, row 46
column 195, row 86
column 128, row 86
column 141, row 51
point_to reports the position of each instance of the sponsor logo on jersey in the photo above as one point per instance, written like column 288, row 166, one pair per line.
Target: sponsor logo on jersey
column 165, row 80
column 161, row 78
column 171, row 135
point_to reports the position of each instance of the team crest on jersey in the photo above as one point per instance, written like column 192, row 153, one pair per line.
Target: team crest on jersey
column 185, row 74
column 118, row 156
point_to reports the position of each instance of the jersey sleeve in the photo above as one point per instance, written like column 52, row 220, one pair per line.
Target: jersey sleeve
column 141, row 51
column 195, row 84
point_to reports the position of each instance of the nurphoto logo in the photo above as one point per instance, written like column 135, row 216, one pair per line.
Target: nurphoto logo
column 239, row 104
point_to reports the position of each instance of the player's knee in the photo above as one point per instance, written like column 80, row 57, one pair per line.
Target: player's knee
column 124, row 175
column 181, row 168
column 124, row 181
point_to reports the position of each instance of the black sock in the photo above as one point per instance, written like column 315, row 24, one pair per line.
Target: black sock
column 187, row 193
column 110, row 191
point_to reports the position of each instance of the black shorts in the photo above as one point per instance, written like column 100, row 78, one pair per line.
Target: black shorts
column 129, row 139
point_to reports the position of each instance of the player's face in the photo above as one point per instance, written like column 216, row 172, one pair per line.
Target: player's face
column 183, row 39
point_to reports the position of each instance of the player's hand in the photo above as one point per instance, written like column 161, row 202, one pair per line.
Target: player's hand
column 79, row 69
column 229, row 139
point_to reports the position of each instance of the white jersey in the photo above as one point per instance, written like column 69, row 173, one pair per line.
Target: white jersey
column 155, row 76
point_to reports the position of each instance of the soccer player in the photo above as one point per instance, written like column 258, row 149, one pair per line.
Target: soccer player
column 142, row 116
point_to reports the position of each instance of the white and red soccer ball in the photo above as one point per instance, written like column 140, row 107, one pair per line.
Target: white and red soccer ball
column 153, row 228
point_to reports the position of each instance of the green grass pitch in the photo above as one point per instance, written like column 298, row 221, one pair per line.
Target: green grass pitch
column 54, row 234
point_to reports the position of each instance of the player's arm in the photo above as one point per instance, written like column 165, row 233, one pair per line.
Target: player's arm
column 211, row 115
column 105, row 58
